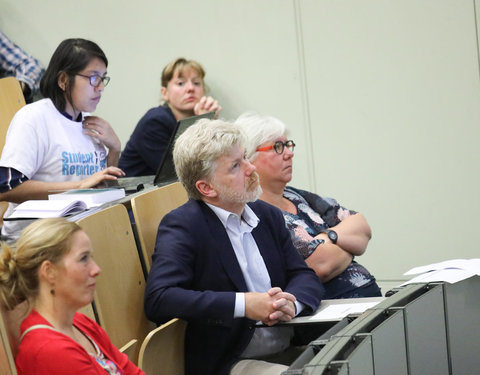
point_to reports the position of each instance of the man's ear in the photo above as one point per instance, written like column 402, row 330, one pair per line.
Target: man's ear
column 206, row 189
column 63, row 81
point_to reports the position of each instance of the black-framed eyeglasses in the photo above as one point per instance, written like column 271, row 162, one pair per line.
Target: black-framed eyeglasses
column 279, row 146
column 96, row 79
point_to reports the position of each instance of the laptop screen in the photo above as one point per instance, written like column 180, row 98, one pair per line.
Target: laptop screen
column 166, row 169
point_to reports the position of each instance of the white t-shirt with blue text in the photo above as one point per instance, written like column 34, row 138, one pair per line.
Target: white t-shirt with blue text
column 44, row 145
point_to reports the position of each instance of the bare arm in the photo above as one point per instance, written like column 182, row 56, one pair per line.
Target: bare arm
column 112, row 158
column 328, row 261
column 33, row 189
column 354, row 233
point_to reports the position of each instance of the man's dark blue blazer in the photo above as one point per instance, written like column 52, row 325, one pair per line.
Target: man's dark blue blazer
column 195, row 275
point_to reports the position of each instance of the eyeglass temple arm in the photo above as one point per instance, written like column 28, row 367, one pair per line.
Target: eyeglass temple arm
column 266, row 148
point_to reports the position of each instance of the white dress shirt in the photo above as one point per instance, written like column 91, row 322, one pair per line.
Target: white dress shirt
column 265, row 340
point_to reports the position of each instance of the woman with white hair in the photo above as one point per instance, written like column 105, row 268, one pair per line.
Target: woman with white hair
column 327, row 235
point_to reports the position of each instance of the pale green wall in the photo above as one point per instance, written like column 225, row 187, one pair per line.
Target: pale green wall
column 381, row 96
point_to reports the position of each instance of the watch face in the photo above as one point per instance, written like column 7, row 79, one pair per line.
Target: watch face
column 333, row 236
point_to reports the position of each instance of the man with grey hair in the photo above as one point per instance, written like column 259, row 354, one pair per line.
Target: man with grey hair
column 225, row 262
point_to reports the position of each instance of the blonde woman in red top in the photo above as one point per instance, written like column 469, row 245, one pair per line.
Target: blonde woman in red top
column 53, row 269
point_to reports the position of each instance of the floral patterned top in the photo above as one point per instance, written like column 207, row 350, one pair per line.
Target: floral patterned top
column 314, row 215
column 108, row 365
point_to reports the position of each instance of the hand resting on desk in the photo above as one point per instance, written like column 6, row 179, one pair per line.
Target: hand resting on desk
column 271, row 307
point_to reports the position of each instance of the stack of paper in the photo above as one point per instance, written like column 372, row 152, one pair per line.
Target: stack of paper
column 450, row 271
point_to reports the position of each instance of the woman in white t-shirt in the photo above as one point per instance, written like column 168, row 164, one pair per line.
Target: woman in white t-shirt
column 55, row 144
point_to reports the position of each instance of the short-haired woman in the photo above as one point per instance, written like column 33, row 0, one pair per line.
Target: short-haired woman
column 183, row 92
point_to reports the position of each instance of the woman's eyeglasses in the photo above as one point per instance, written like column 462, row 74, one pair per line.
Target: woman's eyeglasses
column 95, row 79
column 279, row 146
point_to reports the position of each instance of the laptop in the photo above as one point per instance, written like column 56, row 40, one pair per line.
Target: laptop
column 166, row 169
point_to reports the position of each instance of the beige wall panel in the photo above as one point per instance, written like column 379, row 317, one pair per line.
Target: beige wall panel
column 393, row 92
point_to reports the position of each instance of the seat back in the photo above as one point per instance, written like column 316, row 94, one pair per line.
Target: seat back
column 149, row 209
column 11, row 100
column 7, row 361
column 120, row 287
column 162, row 351
column 9, row 335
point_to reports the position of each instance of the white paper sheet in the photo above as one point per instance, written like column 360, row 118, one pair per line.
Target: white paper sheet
column 333, row 312
column 463, row 264
column 450, row 271
column 449, row 275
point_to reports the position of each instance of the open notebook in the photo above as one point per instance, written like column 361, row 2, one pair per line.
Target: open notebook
column 65, row 204
column 38, row 209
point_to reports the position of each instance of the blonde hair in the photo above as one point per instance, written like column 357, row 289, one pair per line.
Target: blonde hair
column 198, row 148
column 179, row 65
column 43, row 240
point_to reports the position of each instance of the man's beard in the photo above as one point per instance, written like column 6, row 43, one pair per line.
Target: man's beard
column 252, row 193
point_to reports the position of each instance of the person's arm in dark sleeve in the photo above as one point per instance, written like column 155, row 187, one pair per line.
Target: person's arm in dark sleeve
column 169, row 291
